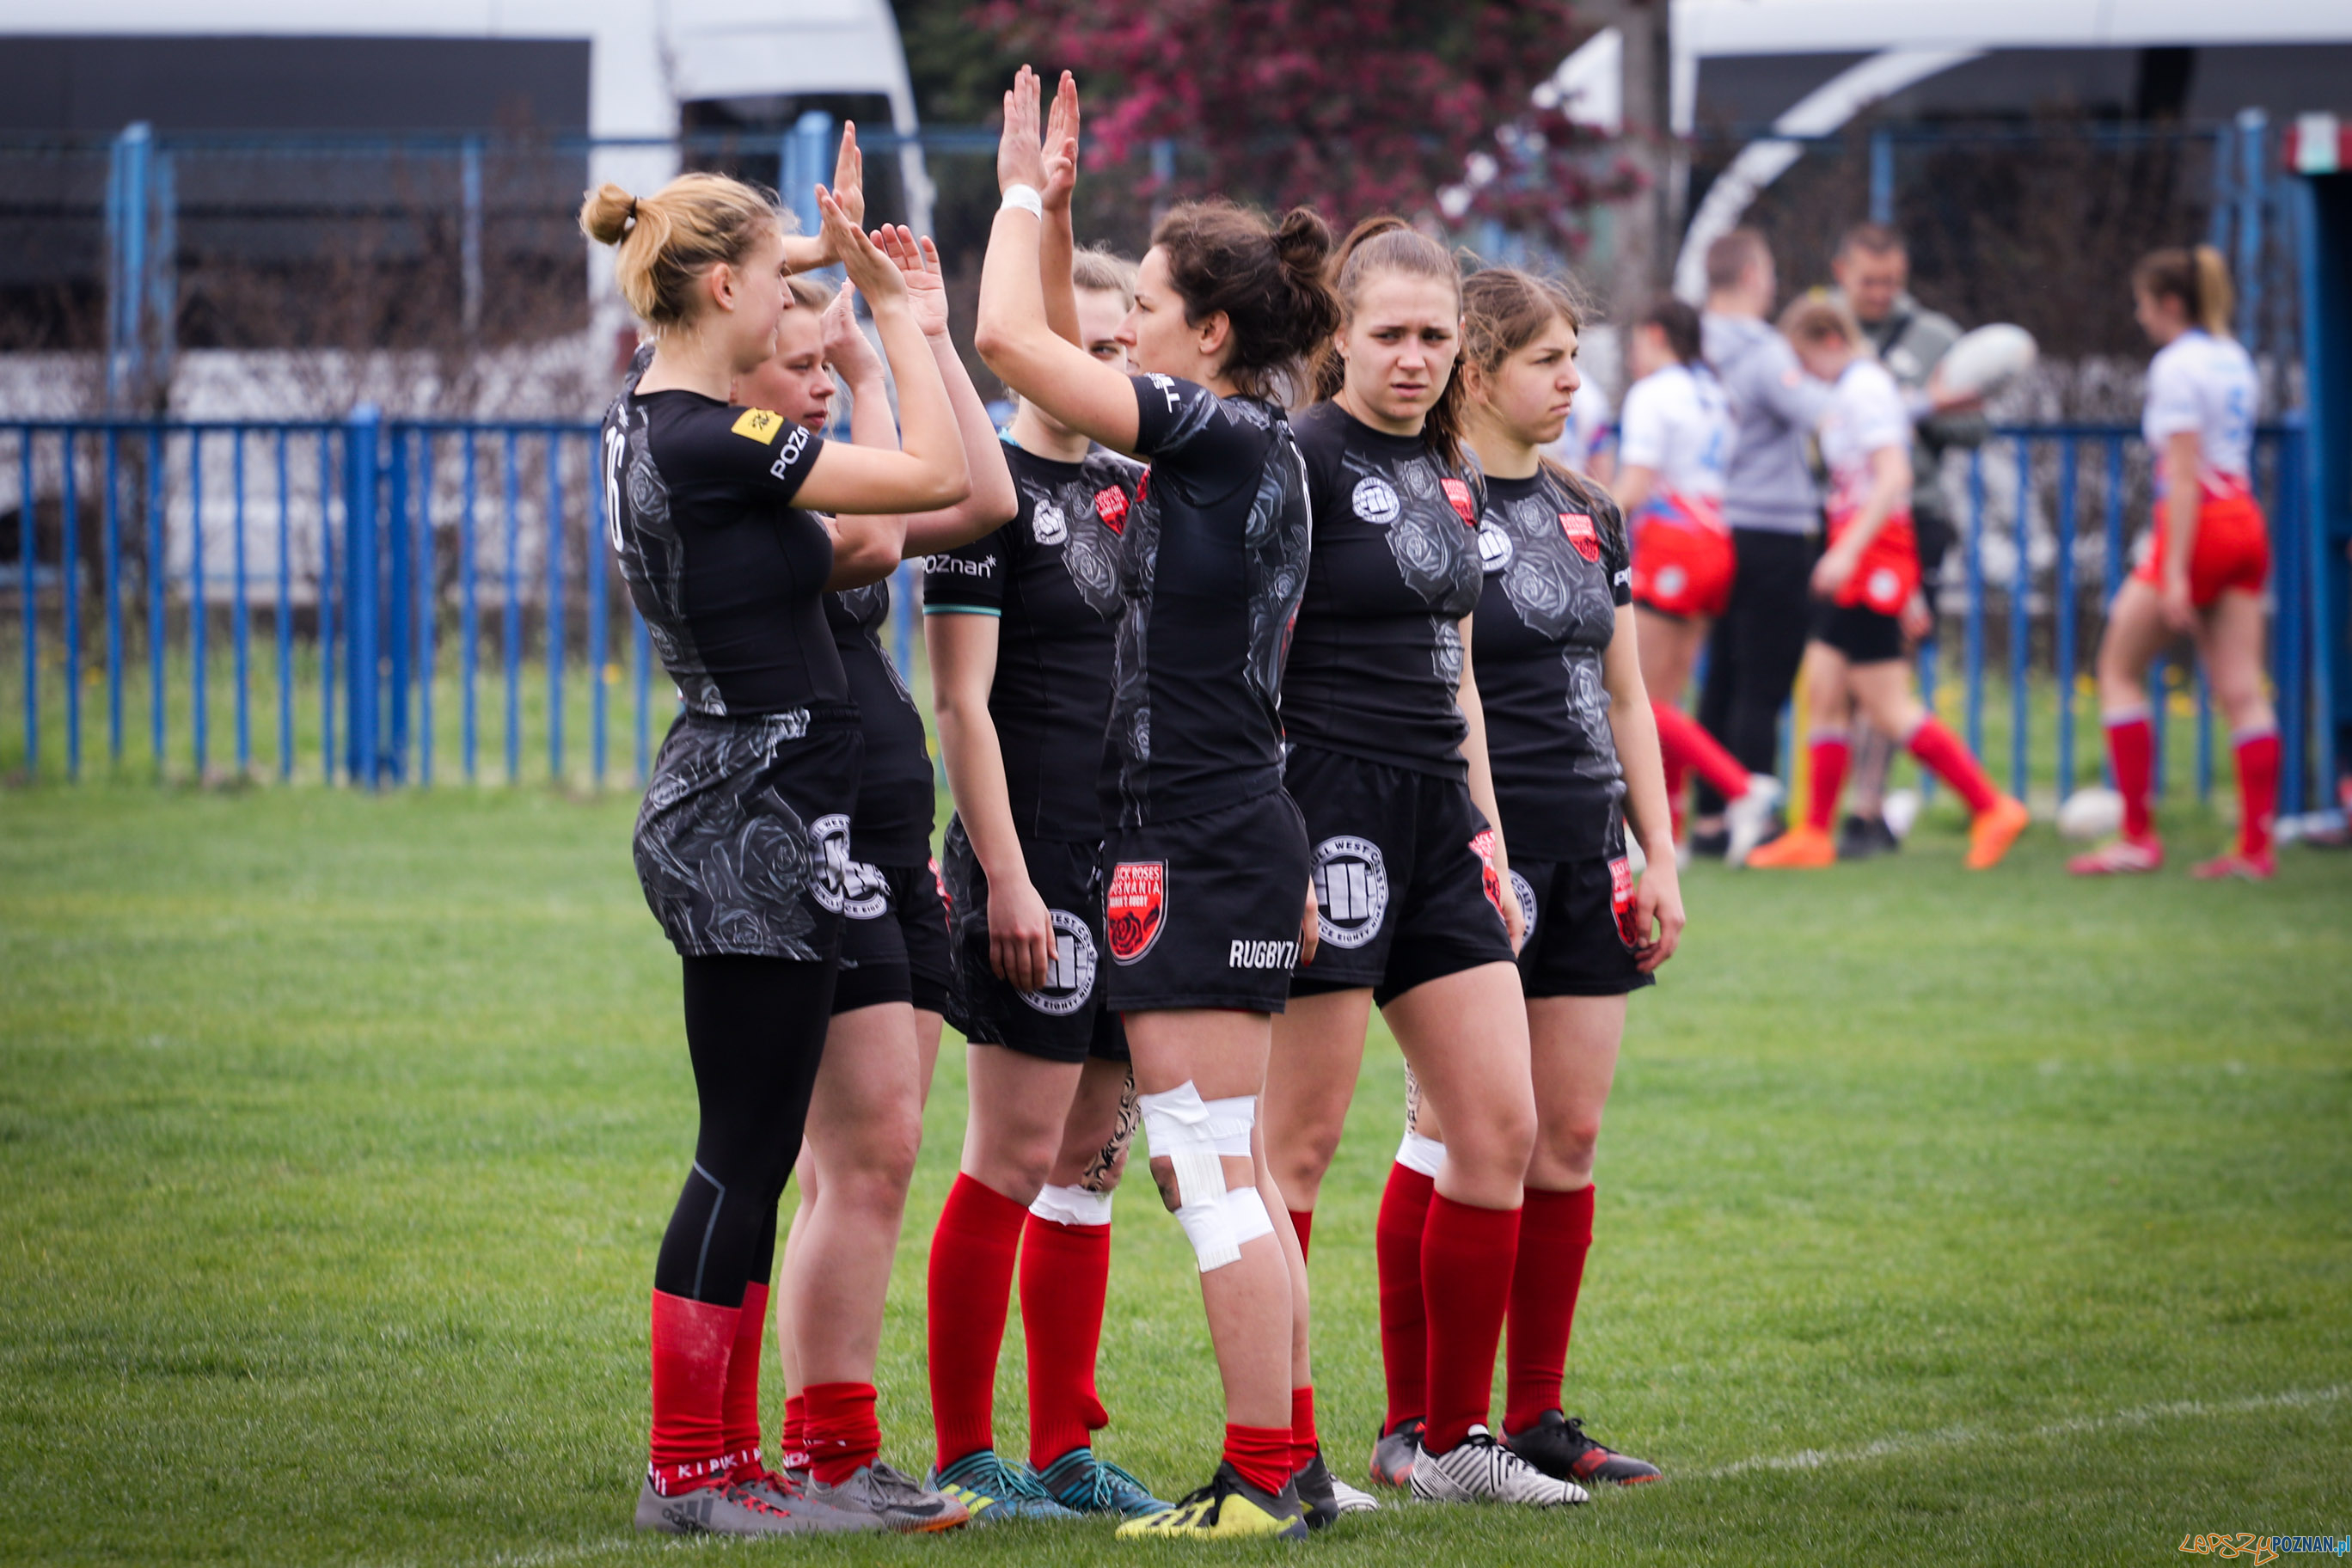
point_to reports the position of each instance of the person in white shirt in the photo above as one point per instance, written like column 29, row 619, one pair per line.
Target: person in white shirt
column 1854, row 659
column 2208, row 560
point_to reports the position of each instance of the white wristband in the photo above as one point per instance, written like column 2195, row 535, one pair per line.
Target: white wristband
column 1026, row 198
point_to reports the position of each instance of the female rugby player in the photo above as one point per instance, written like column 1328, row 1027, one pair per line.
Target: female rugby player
column 2208, row 559
column 1860, row 586
column 712, row 511
column 1574, row 752
column 1671, row 458
column 1206, row 886
column 1388, row 764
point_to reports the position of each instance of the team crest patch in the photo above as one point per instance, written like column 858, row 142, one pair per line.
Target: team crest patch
column 1580, row 532
column 1070, row 972
column 1459, row 494
column 1494, row 547
column 829, row 838
column 1048, row 524
column 1110, row 505
column 1483, row 846
column 758, row 425
column 865, row 891
column 1135, row 908
column 1884, row 590
column 1526, row 897
column 1621, row 899
column 1375, row 500
column 1351, row 891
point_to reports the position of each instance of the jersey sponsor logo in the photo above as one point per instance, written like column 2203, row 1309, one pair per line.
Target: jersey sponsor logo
column 1495, row 550
column 1579, row 528
column 1070, row 972
column 1262, row 955
column 1624, row 578
column 795, row 445
column 1135, row 908
column 1110, row 505
column 1459, row 494
column 829, row 840
column 959, row 566
column 1048, row 524
column 1351, row 891
column 1621, row 899
column 1167, row 385
column 1526, row 894
column 865, row 891
column 758, row 425
column 1376, row 499
column 1483, row 846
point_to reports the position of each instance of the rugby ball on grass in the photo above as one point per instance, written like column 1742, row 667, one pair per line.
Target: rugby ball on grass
column 1987, row 359
column 2095, row 812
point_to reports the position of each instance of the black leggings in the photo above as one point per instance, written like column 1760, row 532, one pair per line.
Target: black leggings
column 755, row 1028
column 1756, row 645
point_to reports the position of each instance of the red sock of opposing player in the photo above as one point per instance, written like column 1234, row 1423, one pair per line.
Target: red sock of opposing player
column 1404, row 1321
column 1555, row 1234
column 740, row 1406
column 1948, row 756
column 1303, row 1442
column 844, row 1434
column 1064, row 1278
column 1303, row 1221
column 1261, row 1455
column 692, row 1342
column 1466, row 1259
column 1684, row 740
column 970, row 1286
column 1832, row 754
column 2258, row 782
column 2131, row 752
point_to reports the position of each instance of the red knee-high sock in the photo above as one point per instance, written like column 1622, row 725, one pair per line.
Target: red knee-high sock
column 1466, row 1259
column 1675, row 777
column 1262, row 1455
column 692, row 1341
column 791, row 1443
column 843, row 1431
column 1555, row 1234
column 2258, row 780
column 740, row 1406
column 1949, row 755
column 1404, row 1321
column 1687, row 744
column 1832, row 754
column 970, row 1287
column 1303, row 1221
column 1303, row 1439
column 2131, row 752
column 1064, row 1279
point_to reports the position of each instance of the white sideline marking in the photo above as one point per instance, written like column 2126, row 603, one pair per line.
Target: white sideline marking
column 1956, row 1436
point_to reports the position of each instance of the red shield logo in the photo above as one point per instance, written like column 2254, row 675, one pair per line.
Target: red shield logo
column 941, row 884
column 1110, row 505
column 1459, row 494
column 1142, row 487
column 1135, row 908
column 1579, row 529
column 1621, row 899
column 1483, row 846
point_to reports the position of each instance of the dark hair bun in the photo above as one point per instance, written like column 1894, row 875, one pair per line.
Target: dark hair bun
column 1304, row 243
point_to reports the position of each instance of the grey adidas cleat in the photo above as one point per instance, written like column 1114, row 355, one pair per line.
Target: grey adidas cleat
column 729, row 1509
column 891, row 1498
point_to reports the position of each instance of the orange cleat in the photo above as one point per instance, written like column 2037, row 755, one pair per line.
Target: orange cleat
column 2120, row 858
column 2258, row 867
column 1802, row 847
column 1994, row 830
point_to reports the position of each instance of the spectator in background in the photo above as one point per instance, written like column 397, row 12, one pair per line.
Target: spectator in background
column 1872, row 273
column 1774, row 509
column 1588, row 442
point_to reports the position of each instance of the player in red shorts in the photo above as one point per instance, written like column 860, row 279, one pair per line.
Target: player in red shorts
column 1672, row 454
column 2208, row 559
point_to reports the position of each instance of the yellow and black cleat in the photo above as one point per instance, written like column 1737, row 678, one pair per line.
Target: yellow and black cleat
column 1227, row 1508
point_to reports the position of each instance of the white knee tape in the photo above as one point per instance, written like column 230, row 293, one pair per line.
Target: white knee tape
column 1426, row 1156
column 1190, row 1135
column 1072, row 1206
column 1247, row 1212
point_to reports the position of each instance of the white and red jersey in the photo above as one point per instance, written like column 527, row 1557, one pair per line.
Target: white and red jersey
column 1865, row 416
column 2205, row 385
column 1587, row 433
column 1678, row 425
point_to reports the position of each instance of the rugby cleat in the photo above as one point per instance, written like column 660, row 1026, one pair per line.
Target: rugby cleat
column 1326, row 1497
column 730, row 1509
column 1804, row 847
column 1563, row 1451
column 1228, row 1508
column 1479, row 1469
column 1748, row 821
column 2120, row 858
column 1393, row 1453
column 1866, row 838
column 891, row 1500
column 1994, row 830
column 2258, row 867
column 991, row 1489
column 1083, row 1484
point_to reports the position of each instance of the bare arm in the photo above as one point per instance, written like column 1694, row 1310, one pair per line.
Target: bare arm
column 1482, row 785
column 963, row 668
column 1658, row 904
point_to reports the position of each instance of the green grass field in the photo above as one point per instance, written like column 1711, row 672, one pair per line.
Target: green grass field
column 1943, row 1218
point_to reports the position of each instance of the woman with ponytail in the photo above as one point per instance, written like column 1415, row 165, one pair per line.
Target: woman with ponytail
column 741, row 841
column 2208, row 560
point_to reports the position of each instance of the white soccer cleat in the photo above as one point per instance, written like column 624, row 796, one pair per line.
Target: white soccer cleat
column 1479, row 1469
column 1747, row 821
column 1352, row 1499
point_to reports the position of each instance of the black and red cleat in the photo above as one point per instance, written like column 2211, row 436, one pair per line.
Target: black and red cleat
column 1561, row 1449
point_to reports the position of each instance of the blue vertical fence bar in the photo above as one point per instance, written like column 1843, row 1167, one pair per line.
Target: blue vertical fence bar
column 600, row 637
column 327, row 609
column 1974, row 649
column 27, row 559
column 470, row 629
column 2020, row 624
column 284, row 620
column 238, row 630
column 427, row 602
column 113, row 598
column 2287, row 654
column 69, row 595
column 511, row 624
column 201, row 737
column 2112, row 569
column 360, row 560
column 394, row 656
column 2063, row 609
column 553, row 535
column 157, row 454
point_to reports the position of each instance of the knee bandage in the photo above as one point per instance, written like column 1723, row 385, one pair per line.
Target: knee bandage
column 1426, row 1156
column 1194, row 1135
column 1072, row 1206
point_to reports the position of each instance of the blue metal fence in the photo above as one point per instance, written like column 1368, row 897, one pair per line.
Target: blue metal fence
column 396, row 567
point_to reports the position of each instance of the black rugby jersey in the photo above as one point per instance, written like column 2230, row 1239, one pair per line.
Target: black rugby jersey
column 896, row 798
column 1376, row 661
column 1556, row 572
column 727, row 573
column 1210, row 572
column 1051, row 574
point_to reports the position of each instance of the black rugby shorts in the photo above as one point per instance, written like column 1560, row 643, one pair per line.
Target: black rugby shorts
column 1579, row 916
column 894, row 939
column 1405, row 887
column 1859, row 632
column 1203, row 912
column 1066, row 1021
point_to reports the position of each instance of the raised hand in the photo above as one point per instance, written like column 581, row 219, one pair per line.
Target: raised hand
column 1018, row 160
column 1062, row 147
column 849, row 174
column 919, row 262
column 869, row 268
column 845, row 349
